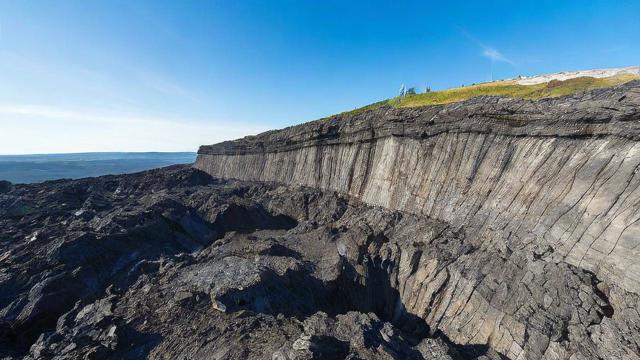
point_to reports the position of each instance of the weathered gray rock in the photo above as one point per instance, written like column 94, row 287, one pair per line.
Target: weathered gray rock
column 5, row 186
column 544, row 195
column 205, row 270
column 449, row 232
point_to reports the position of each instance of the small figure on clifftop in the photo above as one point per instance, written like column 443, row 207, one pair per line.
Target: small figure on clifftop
column 403, row 91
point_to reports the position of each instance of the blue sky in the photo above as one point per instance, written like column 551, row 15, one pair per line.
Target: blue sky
column 170, row 75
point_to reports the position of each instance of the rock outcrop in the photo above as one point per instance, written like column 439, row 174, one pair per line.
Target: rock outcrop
column 544, row 195
column 173, row 263
column 5, row 186
column 488, row 229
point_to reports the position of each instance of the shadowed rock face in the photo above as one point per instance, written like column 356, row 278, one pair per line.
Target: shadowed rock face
column 545, row 195
column 173, row 263
column 472, row 230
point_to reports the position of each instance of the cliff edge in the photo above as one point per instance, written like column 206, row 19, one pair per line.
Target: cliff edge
column 548, row 186
column 487, row 229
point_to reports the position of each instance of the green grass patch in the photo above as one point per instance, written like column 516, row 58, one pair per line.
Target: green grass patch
column 507, row 88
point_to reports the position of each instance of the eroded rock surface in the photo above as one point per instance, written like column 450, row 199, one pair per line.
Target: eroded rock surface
column 488, row 229
column 173, row 263
column 547, row 192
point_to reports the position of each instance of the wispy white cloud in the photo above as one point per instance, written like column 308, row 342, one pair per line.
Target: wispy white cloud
column 164, row 85
column 495, row 55
column 36, row 76
column 487, row 51
column 28, row 129
column 87, row 116
column 129, row 85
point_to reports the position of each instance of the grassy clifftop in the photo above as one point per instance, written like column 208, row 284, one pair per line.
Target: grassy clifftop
column 507, row 88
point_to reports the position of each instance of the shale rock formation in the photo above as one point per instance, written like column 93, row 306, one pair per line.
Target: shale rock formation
column 488, row 229
column 174, row 264
column 543, row 195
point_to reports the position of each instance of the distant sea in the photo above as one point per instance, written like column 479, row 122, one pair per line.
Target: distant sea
column 38, row 168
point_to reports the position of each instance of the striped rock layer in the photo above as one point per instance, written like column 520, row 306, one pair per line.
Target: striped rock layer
column 546, row 193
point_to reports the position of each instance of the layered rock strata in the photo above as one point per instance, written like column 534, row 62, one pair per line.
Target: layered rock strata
column 546, row 193
column 172, row 263
column 488, row 229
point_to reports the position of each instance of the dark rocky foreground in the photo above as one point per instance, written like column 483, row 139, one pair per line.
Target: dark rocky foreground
column 172, row 263
column 491, row 228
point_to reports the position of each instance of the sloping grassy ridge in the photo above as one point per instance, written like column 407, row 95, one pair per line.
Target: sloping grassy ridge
column 506, row 88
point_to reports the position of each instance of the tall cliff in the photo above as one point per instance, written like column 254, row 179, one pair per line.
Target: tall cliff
column 487, row 229
column 546, row 187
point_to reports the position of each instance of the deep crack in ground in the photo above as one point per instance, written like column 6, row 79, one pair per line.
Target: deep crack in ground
column 173, row 263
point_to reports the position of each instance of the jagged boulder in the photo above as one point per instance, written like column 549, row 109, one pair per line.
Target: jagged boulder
column 5, row 186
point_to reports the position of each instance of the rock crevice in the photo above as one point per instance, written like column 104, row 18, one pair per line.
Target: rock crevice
column 487, row 229
column 563, row 176
column 544, row 195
